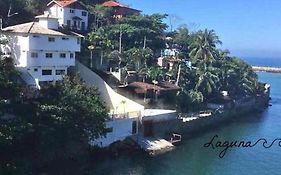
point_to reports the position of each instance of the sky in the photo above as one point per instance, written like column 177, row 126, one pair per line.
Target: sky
column 248, row 28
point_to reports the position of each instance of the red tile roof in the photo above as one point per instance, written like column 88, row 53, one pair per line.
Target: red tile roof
column 63, row 3
column 113, row 4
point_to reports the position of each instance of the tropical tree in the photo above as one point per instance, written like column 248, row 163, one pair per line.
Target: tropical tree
column 9, row 86
column 182, row 41
column 136, row 58
column 101, row 16
column 100, row 40
column 73, row 111
column 207, row 81
column 203, row 46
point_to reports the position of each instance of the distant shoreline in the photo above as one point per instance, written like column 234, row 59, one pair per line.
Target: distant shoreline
column 267, row 69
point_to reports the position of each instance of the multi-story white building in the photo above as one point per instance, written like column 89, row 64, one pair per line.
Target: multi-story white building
column 70, row 13
column 40, row 50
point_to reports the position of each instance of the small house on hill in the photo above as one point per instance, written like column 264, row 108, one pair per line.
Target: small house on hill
column 121, row 10
column 71, row 13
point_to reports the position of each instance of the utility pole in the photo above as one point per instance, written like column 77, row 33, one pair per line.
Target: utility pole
column 178, row 77
column 144, row 42
column 120, row 40
column 1, row 23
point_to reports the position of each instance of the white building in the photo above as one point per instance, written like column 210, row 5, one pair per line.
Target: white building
column 70, row 13
column 40, row 50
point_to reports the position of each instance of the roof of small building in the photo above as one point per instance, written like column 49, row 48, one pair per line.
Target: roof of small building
column 142, row 87
column 36, row 28
column 145, row 86
column 113, row 4
column 65, row 3
column 116, row 4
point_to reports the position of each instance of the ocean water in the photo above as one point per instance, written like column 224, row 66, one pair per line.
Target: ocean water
column 192, row 158
column 273, row 62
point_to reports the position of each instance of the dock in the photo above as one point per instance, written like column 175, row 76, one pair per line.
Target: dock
column 267, row 69
column 153, row 145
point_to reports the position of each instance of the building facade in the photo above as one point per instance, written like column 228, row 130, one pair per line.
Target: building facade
column 70, row 13
column 40, row 50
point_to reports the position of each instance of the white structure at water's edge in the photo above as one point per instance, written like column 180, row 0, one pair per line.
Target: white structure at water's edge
column 40, row 49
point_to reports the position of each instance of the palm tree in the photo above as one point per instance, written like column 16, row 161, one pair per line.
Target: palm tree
column 203, row 46
column 100, row 41
column 207, row 81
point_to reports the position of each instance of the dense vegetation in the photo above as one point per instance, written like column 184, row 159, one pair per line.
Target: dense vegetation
column 135, row 43
column 67, row 114
column 54, row 126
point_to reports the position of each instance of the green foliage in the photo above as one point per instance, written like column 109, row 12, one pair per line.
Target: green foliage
column 57, row 126
column 155, row 73
column 136, row 58
column 213, row 71
column 134, row 31
column 74, row 111
column 203, row 46
column 9, row 87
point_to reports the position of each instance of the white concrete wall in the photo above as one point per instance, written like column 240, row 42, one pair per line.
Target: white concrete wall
column 21, row 47
column 49, row 23
column 121, row 129
column 56, row 11
column 77, row 12
column 117, row 103
column 38, row 74
column 159, row 115
column 42, row 43
column 41, row 60
column 17, row 47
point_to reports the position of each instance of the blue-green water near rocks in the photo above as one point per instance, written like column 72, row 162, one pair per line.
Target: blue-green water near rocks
column 192, row 158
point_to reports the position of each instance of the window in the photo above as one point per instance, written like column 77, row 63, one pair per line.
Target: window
column 68, row 23
column 84, row 13
column 75, row 24
column 83, row 26
column 49, row 55
column 71, row 11
column 35, row 70
column 65, row 38
column 51, row 39
column 78, row 24
column 46, row 72
column 71, row 55
column 62, row 55
column 78, row 40
column 60, row 72
column 36, row 36
column 34, row 55
column 134, row 127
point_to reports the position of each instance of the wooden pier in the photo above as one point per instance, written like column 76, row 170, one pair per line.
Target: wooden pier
column 267, row 69
column 153, row 145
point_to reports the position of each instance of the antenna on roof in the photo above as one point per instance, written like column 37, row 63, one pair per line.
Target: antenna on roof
column 9, row 12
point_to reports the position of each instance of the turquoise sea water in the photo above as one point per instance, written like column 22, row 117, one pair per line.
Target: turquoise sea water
column 275, row 62
column 192, row 158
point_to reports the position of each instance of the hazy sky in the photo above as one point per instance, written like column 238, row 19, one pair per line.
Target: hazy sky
column 248, row 28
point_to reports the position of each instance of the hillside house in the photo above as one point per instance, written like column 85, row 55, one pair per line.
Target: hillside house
column 121, row 10
column 40, row 50
column 70, row 13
